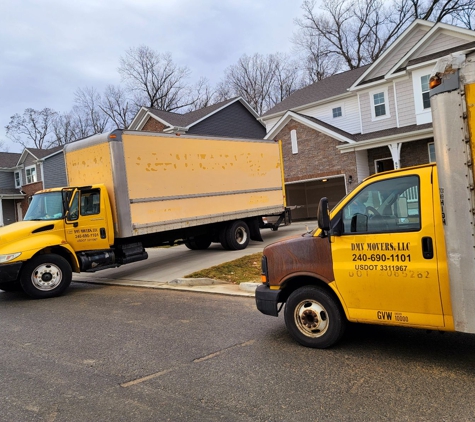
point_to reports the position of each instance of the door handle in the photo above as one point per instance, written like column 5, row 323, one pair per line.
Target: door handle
column 427, row 248
column 103, row 233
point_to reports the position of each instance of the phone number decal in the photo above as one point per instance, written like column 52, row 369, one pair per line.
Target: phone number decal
column 376, row 257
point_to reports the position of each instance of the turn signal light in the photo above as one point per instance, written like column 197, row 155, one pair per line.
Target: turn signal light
column 434, row 82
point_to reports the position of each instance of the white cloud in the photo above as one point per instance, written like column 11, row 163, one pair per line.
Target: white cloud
column 50, row 48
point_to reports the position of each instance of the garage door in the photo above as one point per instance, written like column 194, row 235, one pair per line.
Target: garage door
column 306, row 196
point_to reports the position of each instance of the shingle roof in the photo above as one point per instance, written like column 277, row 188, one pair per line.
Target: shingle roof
column 9, row 159
column 41, row 153
column 183, row 120
column 441, row 53
column 321, row 90
column 390, row 132
column 328, row 126
column 359, row 137
column 7, row 191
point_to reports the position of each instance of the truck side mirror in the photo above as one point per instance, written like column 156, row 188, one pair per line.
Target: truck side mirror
column 323, row 216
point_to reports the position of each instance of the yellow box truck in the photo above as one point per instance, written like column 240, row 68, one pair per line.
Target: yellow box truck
column 131, row 190
column 400, row 249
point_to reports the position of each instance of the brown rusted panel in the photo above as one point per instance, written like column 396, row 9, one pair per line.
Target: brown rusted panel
column 303, row 254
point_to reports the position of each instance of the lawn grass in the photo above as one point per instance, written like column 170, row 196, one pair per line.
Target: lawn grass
column 245, row 269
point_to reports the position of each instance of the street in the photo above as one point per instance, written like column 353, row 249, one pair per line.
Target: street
column 111, row 353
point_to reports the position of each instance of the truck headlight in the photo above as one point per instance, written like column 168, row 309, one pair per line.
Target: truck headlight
column 9, row 257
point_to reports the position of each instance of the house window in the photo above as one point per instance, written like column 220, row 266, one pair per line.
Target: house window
column 425, row 91
column 17, row 176
column 384, row 164
column 336, row 112
column 379, row 103
column 431, row 147
column 31, row 174
column 293, row 139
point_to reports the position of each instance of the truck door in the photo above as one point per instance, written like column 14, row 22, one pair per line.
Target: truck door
column 87, row 224
column 385, row 263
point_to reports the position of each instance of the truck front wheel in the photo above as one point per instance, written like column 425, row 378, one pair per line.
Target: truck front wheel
column 46, row 276
column 237, row 235
column 314, row 318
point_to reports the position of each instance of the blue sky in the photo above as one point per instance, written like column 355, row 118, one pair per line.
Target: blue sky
column 50, row 48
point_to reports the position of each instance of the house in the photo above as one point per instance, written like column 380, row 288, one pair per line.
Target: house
column 22, row 174
column 338, row 131
column 232, row 118
column 10, row 194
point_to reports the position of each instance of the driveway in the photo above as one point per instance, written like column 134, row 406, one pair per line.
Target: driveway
column 166, row 266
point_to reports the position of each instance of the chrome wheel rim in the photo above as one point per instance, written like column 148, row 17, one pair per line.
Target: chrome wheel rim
column 240, row 235
column 311, row 318
column 46, row 277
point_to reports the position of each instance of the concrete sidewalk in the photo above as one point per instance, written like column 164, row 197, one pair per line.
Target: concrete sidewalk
column 166, row 268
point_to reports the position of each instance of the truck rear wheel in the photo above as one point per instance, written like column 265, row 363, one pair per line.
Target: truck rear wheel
column 46, row 276
column 198, row 243
column 237, row 235
column 314, row 318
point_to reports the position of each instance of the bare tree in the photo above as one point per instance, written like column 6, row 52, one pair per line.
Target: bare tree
column 347, row 34
column 118, row 107
column 3, row 147
column 261, row 80
column 88, row 111
column 155, row 80
column 33, row 128
column 203, row 95
column 64, row 129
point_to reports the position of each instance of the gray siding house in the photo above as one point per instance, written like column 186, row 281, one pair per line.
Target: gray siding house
column 23, row 174
column 232, row 118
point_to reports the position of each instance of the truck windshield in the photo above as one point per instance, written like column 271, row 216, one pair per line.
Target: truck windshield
column 45, row 206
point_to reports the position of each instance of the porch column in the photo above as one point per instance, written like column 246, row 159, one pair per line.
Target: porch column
column 396, row 154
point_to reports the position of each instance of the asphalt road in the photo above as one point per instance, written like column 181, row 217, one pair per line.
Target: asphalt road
column 108, row 353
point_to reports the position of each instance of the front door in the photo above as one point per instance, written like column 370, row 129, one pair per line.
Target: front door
column 87, row 224
column 385, row 263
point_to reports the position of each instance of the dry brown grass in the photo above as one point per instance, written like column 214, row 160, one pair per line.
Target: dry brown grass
column 247, row 268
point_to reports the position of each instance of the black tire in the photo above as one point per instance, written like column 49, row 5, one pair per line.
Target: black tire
column 314, row 318
column 237, row 235
column 10, row 286
column 46, row 276
column 198, row 243
column 222, row 238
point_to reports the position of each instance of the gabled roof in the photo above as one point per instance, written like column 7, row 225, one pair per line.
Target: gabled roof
column 408, row 50
column 38, row 153
column 186, row 120
column 330, row 87
column 312, row 122
column 9, row 160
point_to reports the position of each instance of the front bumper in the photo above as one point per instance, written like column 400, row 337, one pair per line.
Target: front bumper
column 267, row 300
column 10, row 272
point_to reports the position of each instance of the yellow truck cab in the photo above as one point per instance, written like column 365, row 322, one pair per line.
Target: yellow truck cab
column 399, row 249
column 376, row 259
column 59, row 227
